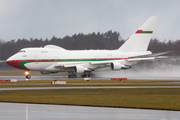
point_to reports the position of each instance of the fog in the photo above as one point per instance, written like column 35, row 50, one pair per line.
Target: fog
column 147, row 69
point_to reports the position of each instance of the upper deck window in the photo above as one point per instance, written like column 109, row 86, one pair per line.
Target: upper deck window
column 22, row 51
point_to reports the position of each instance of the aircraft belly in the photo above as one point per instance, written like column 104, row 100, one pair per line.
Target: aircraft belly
column 37, row 65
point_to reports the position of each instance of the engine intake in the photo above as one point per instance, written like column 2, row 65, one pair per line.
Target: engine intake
column 79, row 69
column 115, row 66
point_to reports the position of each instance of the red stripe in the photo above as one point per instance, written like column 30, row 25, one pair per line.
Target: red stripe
column 141, row 31
column 15, row 63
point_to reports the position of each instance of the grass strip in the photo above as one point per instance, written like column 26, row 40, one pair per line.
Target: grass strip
column 156, row 98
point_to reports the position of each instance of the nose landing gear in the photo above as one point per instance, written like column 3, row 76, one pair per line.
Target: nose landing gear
column 28, row 76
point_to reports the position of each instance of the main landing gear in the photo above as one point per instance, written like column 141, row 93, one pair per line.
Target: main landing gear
column 28, row 76
column 87, row 76
column 72, row 75
column 84, row 75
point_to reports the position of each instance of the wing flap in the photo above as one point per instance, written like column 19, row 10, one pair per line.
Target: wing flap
column 152, row 55
column 124, row 60
column 140, row 59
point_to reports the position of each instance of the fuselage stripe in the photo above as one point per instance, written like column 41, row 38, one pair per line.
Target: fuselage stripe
column 21, row 63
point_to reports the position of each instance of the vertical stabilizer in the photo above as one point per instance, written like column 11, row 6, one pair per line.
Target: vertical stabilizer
column 139, row 41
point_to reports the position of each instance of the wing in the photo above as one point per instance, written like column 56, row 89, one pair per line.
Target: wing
column 135, row 59
column 153, row 54
column 120, row 64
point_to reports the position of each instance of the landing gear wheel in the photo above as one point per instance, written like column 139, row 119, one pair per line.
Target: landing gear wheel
column 75, row 76
column 72, row 76
column 69, row 76
column 28, row 76
column 83, row 76
column 87, row 75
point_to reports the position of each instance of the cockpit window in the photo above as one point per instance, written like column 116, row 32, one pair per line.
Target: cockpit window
column 21, row 51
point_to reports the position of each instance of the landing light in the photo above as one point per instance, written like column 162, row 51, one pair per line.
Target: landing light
column 26, row 72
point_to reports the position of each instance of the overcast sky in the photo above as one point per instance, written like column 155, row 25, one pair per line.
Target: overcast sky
column 45, row 18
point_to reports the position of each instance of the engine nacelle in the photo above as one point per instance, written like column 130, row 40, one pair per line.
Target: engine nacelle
column 79, row 69
column 115, row 66
column 47, row 72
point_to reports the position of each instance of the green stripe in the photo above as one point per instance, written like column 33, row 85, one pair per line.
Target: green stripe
column 146, row 33
column 22, row 64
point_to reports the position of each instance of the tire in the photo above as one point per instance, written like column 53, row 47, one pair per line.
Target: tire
column 83, row 76
column 69, row 76
column 28, row 77
column 74, row 76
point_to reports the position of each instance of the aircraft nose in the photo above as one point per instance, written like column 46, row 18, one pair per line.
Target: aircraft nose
column 10, row 62
column 14, row 63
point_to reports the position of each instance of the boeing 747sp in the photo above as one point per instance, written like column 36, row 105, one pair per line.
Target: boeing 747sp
column 53, row 59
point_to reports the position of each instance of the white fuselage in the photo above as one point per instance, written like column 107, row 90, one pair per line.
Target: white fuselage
column 44, row 59
column 52, row 58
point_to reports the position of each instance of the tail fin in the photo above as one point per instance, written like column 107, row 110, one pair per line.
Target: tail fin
column 139, row 41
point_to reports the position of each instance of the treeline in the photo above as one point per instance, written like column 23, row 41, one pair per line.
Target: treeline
column 109, row 40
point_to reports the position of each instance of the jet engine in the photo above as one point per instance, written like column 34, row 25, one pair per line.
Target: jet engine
column 115, row 66
column 79, row 69
column 45, row 72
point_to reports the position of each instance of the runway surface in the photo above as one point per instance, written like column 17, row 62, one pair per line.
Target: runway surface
column 18, row 111
column 98, row 87
column 65, row 77
column 95, row 87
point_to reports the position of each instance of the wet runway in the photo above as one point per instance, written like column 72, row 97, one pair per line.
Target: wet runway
column 65, row 77
column 18, row 111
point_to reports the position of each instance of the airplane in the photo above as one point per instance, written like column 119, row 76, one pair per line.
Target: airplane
column 54, row 59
